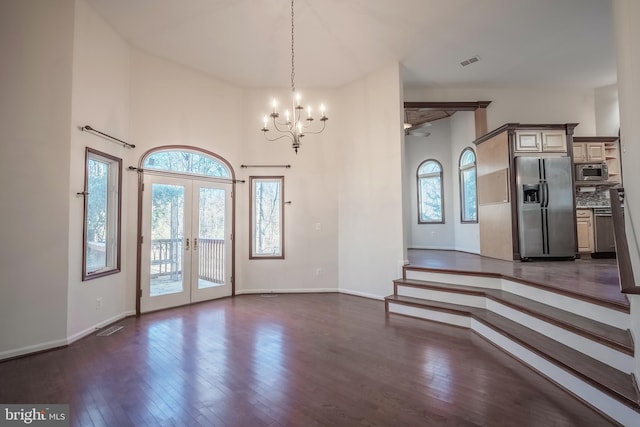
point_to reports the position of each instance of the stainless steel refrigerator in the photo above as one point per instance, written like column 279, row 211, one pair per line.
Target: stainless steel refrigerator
column 546, row 214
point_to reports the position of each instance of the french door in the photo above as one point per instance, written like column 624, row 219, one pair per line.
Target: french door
column 186, row 248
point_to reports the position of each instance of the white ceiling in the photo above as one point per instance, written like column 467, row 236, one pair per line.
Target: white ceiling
column 566, row 43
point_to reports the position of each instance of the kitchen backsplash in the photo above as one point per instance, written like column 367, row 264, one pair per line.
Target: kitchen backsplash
column 596, row 198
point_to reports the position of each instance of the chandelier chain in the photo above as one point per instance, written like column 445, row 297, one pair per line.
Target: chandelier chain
column 293, row 65
column 294, row 126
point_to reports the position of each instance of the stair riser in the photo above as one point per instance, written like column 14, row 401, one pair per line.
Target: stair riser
column 602, row 401
column 454, row 279
column 580, row 388
column 605, row 354
column 601, row 314
column 436, row 316
column 443, row 296
column 586, row 309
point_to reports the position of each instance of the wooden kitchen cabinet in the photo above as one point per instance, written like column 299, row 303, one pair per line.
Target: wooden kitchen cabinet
column 589, row 152
column 599, row 149
column 550, row 141
column 584, row 224
column 612, row 157
column 554, row 141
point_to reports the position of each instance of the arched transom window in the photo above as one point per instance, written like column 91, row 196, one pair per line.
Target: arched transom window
column 185, row 161
column 430, row 189
column 468, row 190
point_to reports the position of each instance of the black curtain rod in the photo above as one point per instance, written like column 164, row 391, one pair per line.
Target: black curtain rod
column 135, row 169
column 124, row 144
column 265, row 166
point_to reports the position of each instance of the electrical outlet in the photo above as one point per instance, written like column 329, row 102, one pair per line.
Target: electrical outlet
column 318, row 272
column 98, row 303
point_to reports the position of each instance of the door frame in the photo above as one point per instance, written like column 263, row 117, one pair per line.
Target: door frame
column 141, row 171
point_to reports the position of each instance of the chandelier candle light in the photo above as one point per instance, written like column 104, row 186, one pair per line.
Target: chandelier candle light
column 294, row 125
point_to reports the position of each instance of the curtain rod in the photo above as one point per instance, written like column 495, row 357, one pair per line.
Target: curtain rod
column 186, row 175
column 124, row 144
column 266, row 166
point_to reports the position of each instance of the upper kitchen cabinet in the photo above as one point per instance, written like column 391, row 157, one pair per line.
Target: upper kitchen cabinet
column 588, row 152
column 599, row 149
column 537, row 141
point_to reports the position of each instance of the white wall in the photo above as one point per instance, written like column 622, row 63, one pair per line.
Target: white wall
column 447, row 140
column 310, row 184
column 607, row 111
column 371, row 245
column 100, row 98
column 36, row 45
column 172, row 104
column 463, row 133
column 521, row 105
column 436, row 146
column 627, row 14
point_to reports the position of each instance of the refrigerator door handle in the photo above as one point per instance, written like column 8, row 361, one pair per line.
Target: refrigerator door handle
column 546, row 194
column 543, row 194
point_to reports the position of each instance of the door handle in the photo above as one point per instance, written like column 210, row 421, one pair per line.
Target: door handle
column 544, row 194
column 186, row 246
column 195, row 243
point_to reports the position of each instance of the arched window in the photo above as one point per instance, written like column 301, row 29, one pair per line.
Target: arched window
column 186, row 161
column 468, row 189
column 430, row 193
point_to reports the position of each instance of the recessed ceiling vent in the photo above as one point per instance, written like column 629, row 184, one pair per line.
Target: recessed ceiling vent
column 470, row 61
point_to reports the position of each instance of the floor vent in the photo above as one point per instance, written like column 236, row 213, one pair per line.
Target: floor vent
column 110, row 331
column 268, row 295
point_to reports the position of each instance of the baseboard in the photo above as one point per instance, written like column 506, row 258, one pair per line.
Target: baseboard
column 31, row 349
column 75, row 337
column 286, row 291
column 361, row 294
column 434, row 248
column 308, row 291
column 469, row 251
column 446, row 248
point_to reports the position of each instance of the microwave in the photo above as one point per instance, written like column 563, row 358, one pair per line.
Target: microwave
column 592, row 172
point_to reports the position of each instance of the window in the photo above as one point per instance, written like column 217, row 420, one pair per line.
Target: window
column 468, row 191
column 102, row 187
column 267, row 217
column 186, row 162
column 430, row 198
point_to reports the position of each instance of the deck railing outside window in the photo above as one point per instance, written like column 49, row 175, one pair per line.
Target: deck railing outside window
column 166, row 258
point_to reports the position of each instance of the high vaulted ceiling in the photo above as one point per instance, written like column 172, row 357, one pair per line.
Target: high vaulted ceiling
column 563, row 43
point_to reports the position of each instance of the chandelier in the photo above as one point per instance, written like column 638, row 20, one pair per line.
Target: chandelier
column 294, row 126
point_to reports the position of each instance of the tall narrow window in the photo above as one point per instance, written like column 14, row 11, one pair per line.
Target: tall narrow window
column 102, row 187
column 430, row 197
column 468, row 191
column 267, row 217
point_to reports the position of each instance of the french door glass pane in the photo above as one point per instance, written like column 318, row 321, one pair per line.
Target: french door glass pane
column 167, row 239
column 211, row 232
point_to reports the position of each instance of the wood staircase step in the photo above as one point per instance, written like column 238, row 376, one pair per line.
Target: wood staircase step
column 610, row 336
column 608, row 380
column 620, row 304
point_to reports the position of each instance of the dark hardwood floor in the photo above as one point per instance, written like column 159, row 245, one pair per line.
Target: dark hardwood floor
column 289, row 360
column 595, row 279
